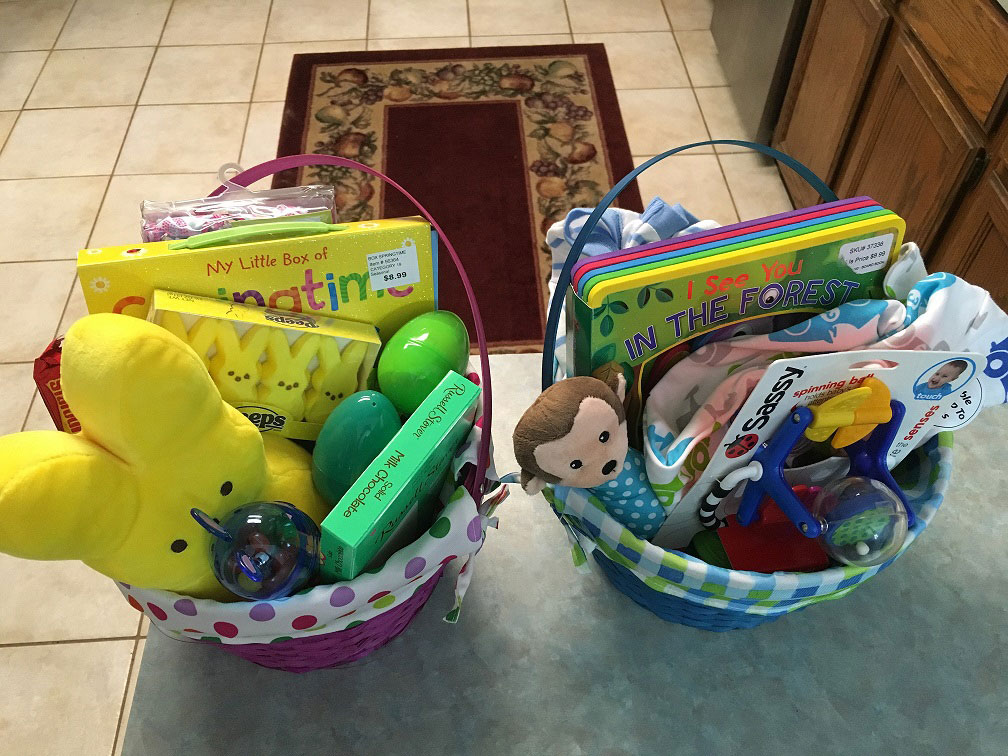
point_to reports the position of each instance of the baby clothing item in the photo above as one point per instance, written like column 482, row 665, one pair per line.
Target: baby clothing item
column 630, row 500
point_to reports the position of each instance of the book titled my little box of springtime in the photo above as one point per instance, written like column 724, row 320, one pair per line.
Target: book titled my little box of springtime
column 406, row 475
column 645, row 319
column 381, row 272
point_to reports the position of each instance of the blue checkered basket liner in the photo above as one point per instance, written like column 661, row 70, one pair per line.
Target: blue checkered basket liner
column 682, row 588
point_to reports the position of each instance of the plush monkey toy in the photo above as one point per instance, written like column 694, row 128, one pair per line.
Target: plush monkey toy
column 575, row 435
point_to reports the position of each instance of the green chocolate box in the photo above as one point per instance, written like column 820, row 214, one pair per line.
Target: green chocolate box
column 405, row 476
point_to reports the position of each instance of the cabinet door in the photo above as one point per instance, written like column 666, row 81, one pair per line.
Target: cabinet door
column 968, row 41
column 840, row 44
column 976, row 246
column 911, row 149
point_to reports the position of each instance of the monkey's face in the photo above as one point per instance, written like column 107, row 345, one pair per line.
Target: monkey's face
column 592, row 453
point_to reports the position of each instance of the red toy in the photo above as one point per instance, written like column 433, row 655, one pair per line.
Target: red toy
column 771, row 543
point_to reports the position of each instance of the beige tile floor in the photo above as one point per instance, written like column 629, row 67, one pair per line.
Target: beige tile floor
column 106, row 102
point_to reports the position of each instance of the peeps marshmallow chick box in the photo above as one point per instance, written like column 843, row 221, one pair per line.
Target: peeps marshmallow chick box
column 285, row 371
column 380, row 272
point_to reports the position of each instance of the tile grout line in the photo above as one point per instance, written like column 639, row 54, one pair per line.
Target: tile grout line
column 119, row 730
column 570, row 26
column 21, row 110
column 68, row 641
column 689, row 78
column 255, row 79
column 343, row 40
column 38, row 76
column 143, row 105
column 469, row 34
column 105, row 175
column 367, row 24
column 359, row 39
column 122, row 143
column 137, row 47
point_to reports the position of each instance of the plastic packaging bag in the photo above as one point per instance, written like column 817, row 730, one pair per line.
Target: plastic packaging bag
column 163, row 221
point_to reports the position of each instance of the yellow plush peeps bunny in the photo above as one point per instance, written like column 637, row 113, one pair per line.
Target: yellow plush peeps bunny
column 157, row 440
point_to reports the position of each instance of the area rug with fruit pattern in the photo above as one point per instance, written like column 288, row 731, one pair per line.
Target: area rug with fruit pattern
column 497, row 142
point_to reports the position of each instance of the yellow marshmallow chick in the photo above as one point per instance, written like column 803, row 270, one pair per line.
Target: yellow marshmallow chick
column 235, row 366
column 338, row 375
column 285, row 374
column 157, row 440
column 200, row 337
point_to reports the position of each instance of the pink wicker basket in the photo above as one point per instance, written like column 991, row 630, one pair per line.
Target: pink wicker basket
column 302, row 650
column 335, row 649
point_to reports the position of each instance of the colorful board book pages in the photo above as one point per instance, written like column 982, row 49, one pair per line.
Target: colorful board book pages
column 285, row 371
column 380, row 272
column 406, row 475
column 596, row 270
column 646, row 307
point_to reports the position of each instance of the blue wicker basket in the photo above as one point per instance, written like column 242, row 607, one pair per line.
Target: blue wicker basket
column 678, row 587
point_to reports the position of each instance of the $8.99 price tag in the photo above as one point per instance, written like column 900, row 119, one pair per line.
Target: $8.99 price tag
column 394, row 267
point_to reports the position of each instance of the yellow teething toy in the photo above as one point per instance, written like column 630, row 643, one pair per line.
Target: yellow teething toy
column 852, row 415
column 157, row 440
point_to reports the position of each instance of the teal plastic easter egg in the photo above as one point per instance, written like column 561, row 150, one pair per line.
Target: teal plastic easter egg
column 419, row 355
column 351, row 438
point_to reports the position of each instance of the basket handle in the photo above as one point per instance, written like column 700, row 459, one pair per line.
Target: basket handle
column 474, row 481
column 553, row 319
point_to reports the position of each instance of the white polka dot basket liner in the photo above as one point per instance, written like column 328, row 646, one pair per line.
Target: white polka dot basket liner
column 407, row 578
column 681, row 588
column 332, row 625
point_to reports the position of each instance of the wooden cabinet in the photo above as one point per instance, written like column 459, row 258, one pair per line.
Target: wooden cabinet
column 904, row 100
column 833, row 64
column 910, row 149
column 976, row 246
column 968, row 43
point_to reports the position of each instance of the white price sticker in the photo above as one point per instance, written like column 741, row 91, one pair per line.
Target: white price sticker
column 868, row 254
column 394, row 267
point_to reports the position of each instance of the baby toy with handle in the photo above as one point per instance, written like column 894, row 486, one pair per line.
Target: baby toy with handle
column 833, row 515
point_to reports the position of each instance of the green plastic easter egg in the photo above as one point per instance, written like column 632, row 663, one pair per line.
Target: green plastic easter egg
column 351, row 438
column 419, row 355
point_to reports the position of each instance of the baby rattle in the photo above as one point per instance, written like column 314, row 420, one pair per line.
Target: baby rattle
column 575, row 435
column 263, row 550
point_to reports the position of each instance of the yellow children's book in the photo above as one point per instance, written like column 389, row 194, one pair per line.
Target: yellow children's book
column 284, row 371
column 378, row 272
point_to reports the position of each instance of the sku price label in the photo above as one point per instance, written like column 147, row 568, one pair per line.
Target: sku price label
column 394, row 267
column 867, row 255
